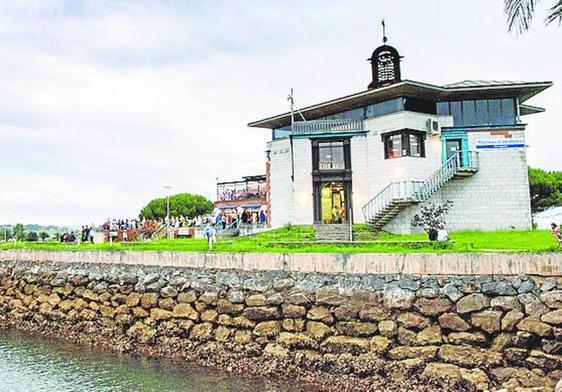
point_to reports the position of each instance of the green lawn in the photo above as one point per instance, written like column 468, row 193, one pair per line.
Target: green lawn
column 300, row 239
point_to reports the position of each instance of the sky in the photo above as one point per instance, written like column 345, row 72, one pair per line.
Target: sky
column 103, row 103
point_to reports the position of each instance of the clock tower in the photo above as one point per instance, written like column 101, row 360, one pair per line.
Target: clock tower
column 385, row 64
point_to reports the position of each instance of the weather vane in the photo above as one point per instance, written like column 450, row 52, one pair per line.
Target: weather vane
column 384, row 39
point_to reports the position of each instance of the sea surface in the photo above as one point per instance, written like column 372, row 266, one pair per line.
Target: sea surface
column 32, row 364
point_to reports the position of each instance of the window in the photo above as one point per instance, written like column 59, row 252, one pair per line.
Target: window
column 331, row 156
column 480, row 112
column 404, row 143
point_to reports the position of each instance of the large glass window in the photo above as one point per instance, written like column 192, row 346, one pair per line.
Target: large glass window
column 385, row 107
column 331, row 156
column 403, row 143
column 480, row 112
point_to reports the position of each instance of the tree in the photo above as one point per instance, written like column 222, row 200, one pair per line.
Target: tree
column 432, row 216
column 545, row 188
column 19, row 232
column 5, row 233
column 185, row 204
column 32, row 237
column 43, row 235
column 520, row 13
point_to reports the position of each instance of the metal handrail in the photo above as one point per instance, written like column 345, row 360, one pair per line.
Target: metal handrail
column 418, row 191
column 319, row 126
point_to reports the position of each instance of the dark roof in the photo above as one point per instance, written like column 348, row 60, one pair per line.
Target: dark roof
column 467, row 89
column 260, row 177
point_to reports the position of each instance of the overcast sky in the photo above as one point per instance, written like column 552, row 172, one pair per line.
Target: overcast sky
column 104, row 102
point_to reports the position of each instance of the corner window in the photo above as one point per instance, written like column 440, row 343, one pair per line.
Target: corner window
column 404, row 143
column 331, row 156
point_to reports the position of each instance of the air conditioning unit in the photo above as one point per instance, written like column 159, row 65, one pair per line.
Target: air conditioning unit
column 433, row 127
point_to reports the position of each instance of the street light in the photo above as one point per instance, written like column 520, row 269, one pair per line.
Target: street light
column 168, row 187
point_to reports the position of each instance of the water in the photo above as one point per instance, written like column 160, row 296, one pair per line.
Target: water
column 30, row 364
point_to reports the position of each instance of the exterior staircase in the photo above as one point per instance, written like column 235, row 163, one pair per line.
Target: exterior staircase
column 332, row 232
column 386, row 205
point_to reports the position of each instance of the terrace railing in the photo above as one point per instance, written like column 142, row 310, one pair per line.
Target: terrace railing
column 327, row 126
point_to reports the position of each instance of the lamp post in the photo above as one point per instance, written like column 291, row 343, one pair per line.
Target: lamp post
column 168, row 187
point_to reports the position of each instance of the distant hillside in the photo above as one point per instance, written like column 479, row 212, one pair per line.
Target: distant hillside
column 39, row 228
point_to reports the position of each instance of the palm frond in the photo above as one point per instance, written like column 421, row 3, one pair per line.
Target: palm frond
column 555, row 13
column 520, row 14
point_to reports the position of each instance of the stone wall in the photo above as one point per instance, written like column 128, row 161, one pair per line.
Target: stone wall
column 354, row 330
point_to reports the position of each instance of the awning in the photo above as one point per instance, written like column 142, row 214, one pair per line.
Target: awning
column 254, row 206
column 227, row 208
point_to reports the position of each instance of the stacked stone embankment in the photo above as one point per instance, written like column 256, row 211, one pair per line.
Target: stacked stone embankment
column 341, row 331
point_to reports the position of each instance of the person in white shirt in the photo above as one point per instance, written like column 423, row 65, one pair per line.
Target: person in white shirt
column 442, row 235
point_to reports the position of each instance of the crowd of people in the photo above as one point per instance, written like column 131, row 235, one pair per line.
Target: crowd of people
column 226, row 219
column 555, row 230
column 240, row 194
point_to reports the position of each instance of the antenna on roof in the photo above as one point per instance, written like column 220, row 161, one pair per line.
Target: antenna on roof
column 291, row 99
column 384, row 38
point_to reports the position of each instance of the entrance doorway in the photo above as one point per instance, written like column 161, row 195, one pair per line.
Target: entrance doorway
column 333, row 203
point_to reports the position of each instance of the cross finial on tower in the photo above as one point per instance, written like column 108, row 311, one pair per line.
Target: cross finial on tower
column 384, row 39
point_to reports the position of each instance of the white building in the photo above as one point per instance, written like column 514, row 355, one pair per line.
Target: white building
column 380, row 154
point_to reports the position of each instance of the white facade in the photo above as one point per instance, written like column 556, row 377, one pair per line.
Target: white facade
column 495, row 197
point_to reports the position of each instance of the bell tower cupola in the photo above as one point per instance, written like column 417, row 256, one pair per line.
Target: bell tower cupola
column 385, row 64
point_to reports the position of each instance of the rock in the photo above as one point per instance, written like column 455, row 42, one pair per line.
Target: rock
column 209, row 297
column 293, row 325
column 256, row 300
column 167, row 303
column 487, row 320
column 122, row 309
column 406, row 337
column 502, row 341
column 319, row 313
column 387, row 328
column 426, row 353
column 472, row 302
column 293, row 311
column 452, row 292
column 243, row 337
column 209, row 316
column 347, row 312
column 429, row 336
column 474, row 338
column 118, row 299
column 329, row 296
column 185, row 310
column 476, row 378
column 268, row 328
column 53, row 299
column 88, row 314
column 67, row 304
column 554, row 317
column 548, row 284
column 515, row 356
column 525, row 339
column 345, row 344
column 453, row 322
column 432, row 307
column 397, row 298
column 469, row 356
column 544, row 361
column 275, row 299
column 534, row 326
column 141, row 332
column 224, row 306
column 276, row 350
column 379, row 344
column 317, row 330
column 356, row 328
column 260, row 313
column 552, row 346
column 138, row 312
column 412, row 320
column 525, row 377
column 133, row 299
column 298, row 299
column 505, row 302
column 498, row 288
column 222, row 334
column 149, row 300
column 187, row 297
column 160, row 314
column 243, row 322
column 553, row 299
column 441, row 371
column 201, row 331
column 373, row 314
column 296, row 340
column 236, row 296
column 511, row 319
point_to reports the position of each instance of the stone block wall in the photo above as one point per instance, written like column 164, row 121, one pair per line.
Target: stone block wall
column 353, row 330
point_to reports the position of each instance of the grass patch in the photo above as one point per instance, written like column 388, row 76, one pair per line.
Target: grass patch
column 463, row 241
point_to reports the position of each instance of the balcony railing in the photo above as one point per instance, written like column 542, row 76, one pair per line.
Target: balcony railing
column 327, row 126
column 331, row 165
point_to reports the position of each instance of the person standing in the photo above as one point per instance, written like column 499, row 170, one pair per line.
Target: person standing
column 211, row 234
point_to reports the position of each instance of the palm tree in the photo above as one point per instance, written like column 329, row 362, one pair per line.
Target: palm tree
column 520, row 13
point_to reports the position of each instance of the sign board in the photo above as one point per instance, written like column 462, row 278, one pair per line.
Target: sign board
column 499, row 140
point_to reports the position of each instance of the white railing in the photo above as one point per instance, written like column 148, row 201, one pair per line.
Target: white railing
column 322, row 126
column 332, row 165
column 418, row 191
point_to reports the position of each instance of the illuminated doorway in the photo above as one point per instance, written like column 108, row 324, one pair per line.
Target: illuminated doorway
column 333, row 203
